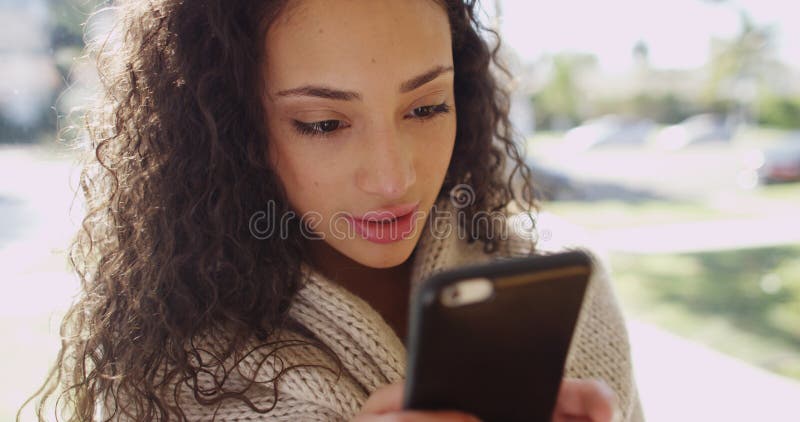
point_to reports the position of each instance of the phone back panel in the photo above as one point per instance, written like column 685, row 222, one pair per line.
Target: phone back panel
column 501, row 359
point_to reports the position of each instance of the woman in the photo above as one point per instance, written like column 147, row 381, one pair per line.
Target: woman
column 261, row 199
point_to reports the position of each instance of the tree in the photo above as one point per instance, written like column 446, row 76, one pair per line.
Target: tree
column 738, row 67
column 559, row 98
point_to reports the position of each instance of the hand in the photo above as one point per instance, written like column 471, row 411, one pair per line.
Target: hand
column 385, row 405
column 578, row 401
column 584, row 401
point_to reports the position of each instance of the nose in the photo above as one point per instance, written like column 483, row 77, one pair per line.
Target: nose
column 387, row 166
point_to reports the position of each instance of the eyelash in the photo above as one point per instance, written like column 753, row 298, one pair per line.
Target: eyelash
column 314, row 128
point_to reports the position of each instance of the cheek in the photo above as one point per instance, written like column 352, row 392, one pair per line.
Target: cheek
column 435, row 151
column 308, row 183
column 301, row 182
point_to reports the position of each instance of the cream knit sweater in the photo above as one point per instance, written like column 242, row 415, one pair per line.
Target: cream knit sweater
column 372, row 355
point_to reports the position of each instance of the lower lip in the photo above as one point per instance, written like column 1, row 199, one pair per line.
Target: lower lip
column 386, row 232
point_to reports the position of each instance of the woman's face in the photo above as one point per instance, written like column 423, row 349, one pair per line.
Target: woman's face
column 362, row 120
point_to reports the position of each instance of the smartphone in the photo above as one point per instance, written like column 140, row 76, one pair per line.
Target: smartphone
column 492, row 339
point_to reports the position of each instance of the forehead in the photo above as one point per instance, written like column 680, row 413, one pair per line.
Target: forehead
column 355, row 43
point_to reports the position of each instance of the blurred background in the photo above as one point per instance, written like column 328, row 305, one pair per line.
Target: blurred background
column 666, row 131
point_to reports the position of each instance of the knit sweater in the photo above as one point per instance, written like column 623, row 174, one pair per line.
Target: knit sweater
column 371, row 354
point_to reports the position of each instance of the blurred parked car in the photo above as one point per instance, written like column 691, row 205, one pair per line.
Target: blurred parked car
column 554, row 185
column 608, row 130
column 551, row 184
column 777, row 163
column 780, row 163
column 697, row 129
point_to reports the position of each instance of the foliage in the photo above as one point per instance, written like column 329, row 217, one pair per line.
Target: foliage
column 559, row 101
column 736, row 64
column 67, row 20
column 777, row 111
column 662, row 108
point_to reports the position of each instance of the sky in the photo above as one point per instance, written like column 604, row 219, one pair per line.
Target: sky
column 676, row 32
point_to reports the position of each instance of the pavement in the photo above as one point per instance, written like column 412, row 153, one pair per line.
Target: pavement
column 680, row 380
column 703, row 236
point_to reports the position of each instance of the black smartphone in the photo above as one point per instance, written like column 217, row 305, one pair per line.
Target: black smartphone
column 492, row 339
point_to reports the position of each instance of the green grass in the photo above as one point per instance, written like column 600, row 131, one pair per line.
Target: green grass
column 780, row 192
column 745, row 303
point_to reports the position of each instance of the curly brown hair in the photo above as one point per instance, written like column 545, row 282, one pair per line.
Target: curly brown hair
column 177, row 162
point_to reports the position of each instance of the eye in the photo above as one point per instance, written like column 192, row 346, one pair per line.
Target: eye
column 321, row 128
column 426, row 112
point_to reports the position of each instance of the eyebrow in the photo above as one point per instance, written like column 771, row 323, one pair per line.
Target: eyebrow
column 335, row 94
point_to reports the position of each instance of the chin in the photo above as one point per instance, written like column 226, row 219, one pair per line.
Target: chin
column 380, row 256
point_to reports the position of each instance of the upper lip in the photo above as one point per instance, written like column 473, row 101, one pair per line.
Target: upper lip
column 388, row 213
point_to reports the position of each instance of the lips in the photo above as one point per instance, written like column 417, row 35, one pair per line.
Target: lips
column 389, row 213
column 386, row 225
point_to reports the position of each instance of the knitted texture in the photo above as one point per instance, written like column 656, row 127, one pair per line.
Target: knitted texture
column 371, row 354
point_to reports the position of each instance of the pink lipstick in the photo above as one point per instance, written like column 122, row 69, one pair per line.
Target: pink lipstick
column 388, row 224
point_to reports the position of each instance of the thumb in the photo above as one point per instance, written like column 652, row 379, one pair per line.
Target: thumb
column 388, row 398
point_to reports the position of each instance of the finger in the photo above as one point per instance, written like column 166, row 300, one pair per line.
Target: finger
column 585, row 398
column 388, row 398
column 416, row 416
column 563, row 418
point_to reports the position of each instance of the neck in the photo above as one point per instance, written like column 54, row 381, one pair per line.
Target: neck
column 385, row 289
